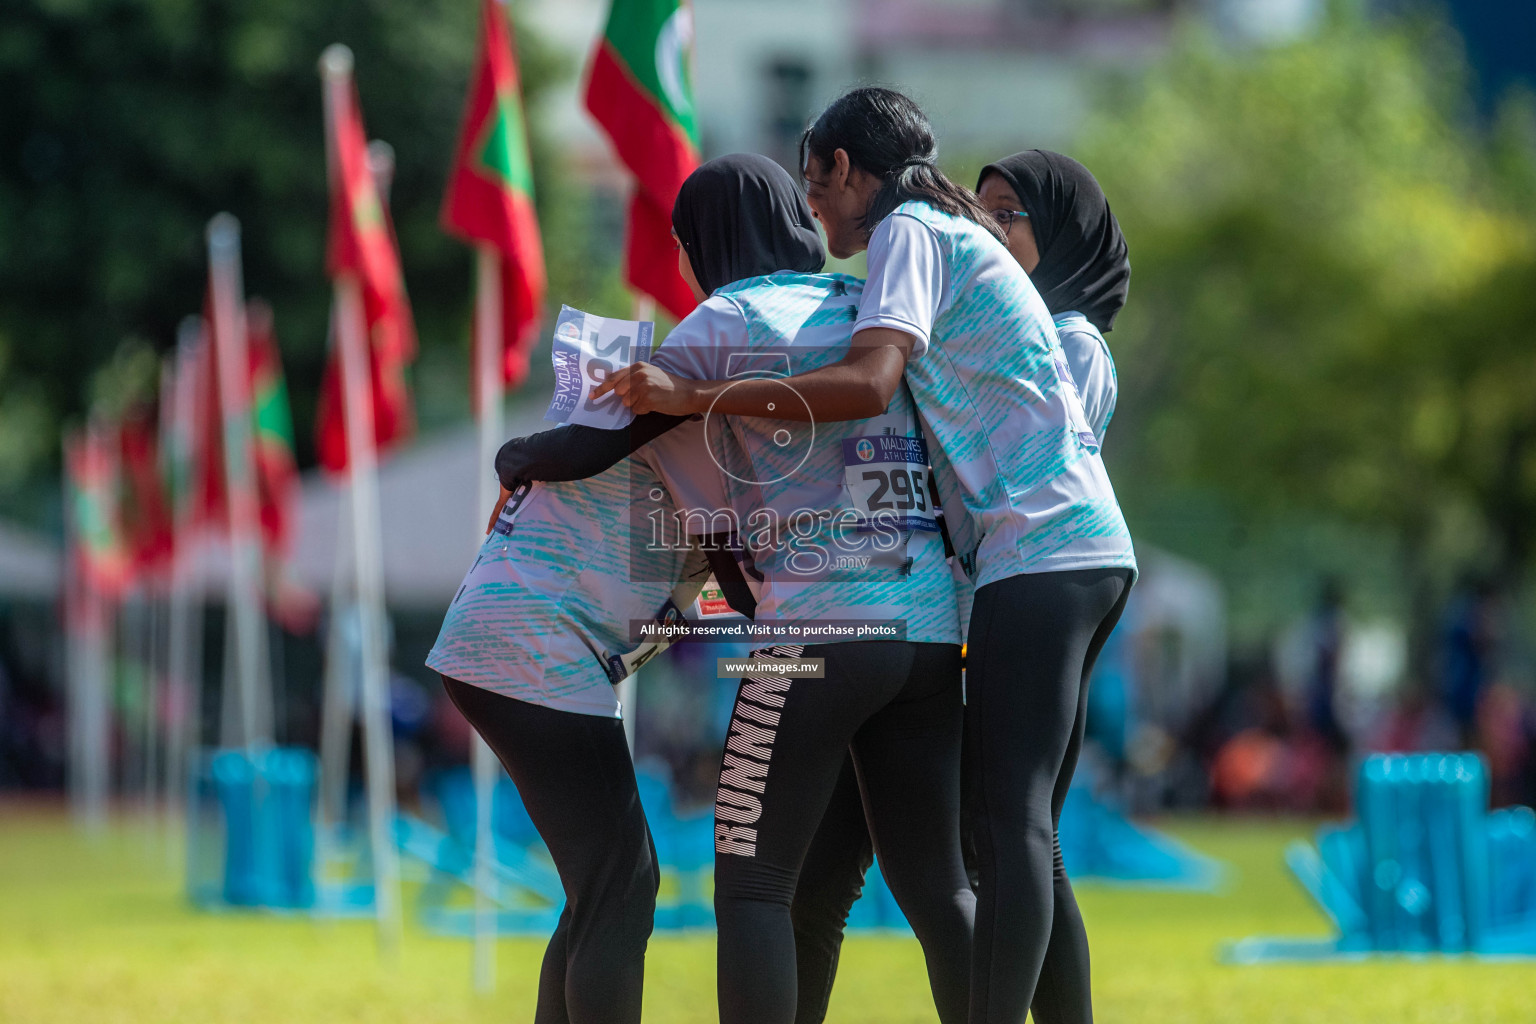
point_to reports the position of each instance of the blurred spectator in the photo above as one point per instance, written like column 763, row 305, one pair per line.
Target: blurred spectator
column 1468, row 654
column 410, row 712
column 1504, row 732
column 31, row 734
column 1416, row 722
column 1327, row 641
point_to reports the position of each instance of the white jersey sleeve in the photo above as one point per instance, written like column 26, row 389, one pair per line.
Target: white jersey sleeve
column 694, row 348
column 1093, row 369
column 907, row 288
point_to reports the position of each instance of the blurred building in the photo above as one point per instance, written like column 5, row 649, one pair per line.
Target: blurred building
column 995, row 76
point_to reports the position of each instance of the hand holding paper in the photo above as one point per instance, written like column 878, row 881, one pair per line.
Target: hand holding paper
column 644, row 388
column 585, row 351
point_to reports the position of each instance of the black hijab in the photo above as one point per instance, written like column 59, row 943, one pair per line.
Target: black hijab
column 1084, row 265
column 743, row 216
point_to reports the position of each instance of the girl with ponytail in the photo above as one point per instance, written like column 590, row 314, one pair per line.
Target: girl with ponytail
column 1029, row 509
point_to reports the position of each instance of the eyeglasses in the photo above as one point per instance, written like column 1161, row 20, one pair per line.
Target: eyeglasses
column 1005, row 218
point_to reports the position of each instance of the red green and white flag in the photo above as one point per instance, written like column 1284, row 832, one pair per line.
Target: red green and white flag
column 205, row 476
column 277, row 470
column 361, row 245
column 490, row 191
column 639, row 88
column 145, row 511
column 101, row 557
column 211, row 478
column 265, row 400
column 175, row 447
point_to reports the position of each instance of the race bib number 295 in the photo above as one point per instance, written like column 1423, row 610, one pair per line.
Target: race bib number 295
column 887, row 477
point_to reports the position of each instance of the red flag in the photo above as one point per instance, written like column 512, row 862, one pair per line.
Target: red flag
column 277, row 471
column 266, row 402
column 210, row 505
column 638, row 89
column 146, row 515
column 650, row 256
column 361, row 245
column 101, row 557
column 490, row 190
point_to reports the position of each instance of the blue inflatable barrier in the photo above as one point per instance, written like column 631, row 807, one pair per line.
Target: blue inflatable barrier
column 1099, row 843
column 250, row 835
column 525, row 890
column 685, row 851
column 1425, row 869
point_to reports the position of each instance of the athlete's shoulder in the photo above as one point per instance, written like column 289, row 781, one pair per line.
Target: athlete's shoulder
column 715, row 321
column 953, row 232
column 1073, row 322
column 779, row 307
column 784, row 282
column 936, row 220
column 914, row 215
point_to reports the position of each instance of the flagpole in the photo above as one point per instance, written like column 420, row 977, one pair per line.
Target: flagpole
column 153, row 692
column 109, row 610
column 185, row 634
column 352, row 342
column 74, row 644
column 233, row 366
column 488, row 380
column 628, row 688
column 95, row 701
column 88, row 691
column 164, row 655
column 338, row 708
column 368, row 558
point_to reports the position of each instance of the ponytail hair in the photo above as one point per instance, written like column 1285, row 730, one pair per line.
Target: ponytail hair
column 886, row 135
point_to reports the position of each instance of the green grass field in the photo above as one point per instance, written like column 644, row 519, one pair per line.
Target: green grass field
column 98, row 932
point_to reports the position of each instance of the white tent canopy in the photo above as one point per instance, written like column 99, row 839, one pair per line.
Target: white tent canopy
column 431, row 516
column 30, row 565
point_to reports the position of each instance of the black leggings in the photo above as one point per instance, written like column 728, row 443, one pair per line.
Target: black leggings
column 1033, row 641
column 833, row 875
column 897, row 706
column 575, row 776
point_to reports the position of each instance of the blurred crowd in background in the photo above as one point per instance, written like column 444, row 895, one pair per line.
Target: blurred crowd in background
column 1325, row 444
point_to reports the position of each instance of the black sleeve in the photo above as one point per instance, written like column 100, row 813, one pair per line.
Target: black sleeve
column 575, row 452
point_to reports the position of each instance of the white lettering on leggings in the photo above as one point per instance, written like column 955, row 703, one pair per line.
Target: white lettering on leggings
column 744, row 770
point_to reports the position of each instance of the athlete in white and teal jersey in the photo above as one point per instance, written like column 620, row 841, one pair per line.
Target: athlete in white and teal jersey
column 858, row 539
column 546, row 611
column 1093, row 369
column 1016, row 460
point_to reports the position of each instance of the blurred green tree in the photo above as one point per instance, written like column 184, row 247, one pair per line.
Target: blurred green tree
column 128, row 123
column 1334, row 295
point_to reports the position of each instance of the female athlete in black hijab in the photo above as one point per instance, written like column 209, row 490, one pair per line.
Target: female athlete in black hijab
column 740, row 223
column 1059, row 227
column 741, row 216
column 736, row 217
column 1068, row 242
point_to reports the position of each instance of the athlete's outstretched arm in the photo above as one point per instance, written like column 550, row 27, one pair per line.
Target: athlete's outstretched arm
column 574, row 452
column 858, row 386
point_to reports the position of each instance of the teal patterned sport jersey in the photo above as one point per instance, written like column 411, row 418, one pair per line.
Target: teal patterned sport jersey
column 544, row 614
column 1017, row 463
column 853, row 499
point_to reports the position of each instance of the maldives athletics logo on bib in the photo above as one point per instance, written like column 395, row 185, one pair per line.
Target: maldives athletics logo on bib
column 864, row 450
